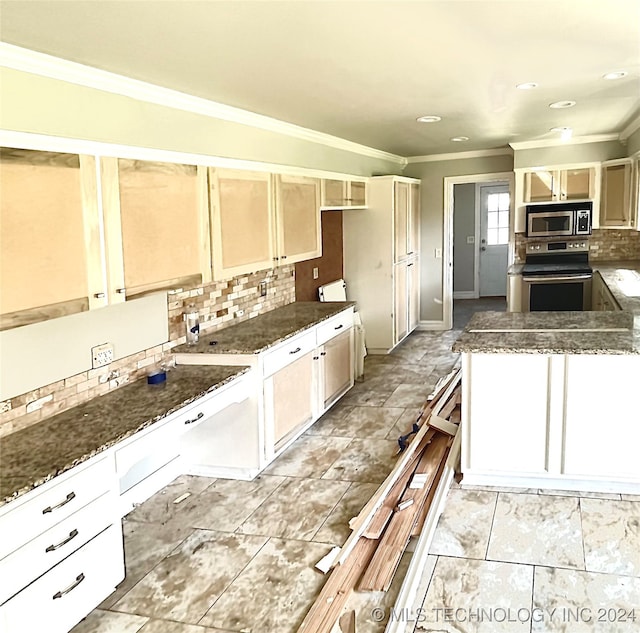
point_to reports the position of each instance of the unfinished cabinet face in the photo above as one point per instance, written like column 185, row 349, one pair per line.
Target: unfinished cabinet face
column 50, row 259
column 577, row 184
column 343, row 194
column 292, row 401
column 155, row 225
column 298, row 219
column 539, row 186
column 241, row 222
column 615, row 201
column 337, row 368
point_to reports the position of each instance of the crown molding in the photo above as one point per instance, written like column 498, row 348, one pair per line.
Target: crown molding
column 630, row 129
column 26, row 60
column 556, row 142
column 480, row 153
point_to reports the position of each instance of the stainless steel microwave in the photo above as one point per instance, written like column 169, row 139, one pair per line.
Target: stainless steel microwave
column 559, row 220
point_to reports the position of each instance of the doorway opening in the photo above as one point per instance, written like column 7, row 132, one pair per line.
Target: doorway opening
column 478, row 237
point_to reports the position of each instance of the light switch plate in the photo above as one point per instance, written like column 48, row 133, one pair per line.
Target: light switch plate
column 101, row 355
column 315, row 272
column 471, row 239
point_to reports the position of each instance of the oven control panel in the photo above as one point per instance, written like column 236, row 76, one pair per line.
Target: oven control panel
column 564, row 246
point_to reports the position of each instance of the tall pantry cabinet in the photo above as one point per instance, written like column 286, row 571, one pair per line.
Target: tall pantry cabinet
column 382, row 261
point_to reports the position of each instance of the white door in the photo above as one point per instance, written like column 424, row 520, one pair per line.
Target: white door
column 494, row 239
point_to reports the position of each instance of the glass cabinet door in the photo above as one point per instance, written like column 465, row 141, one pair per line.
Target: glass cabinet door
column 577, row 184
column 539, row 186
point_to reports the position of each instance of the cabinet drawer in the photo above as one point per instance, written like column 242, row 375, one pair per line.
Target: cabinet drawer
column 63, row 596
column 289, row 352
column 49, row 548
column 41, row 511
column 334, row 326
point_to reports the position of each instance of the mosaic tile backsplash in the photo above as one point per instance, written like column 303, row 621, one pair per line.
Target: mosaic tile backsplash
column 219, row 304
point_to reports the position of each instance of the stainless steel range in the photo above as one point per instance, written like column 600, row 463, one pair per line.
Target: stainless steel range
column 556, row 276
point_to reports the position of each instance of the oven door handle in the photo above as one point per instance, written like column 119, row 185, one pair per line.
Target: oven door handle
column 547, row 279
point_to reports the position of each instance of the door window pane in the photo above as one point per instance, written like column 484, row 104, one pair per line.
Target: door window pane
column 497, row 219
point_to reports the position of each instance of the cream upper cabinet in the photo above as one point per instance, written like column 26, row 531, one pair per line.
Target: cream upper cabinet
column 406, row 217
column 615, row 202
column 636, row 192
column 50, row 252
column 242, row 221
column 343, row 194
column 298, row 230
column 156, row 226
column 413, row 232
column 560, row 184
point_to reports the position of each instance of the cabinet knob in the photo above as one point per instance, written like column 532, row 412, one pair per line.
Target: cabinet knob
column 121, row 291
column 99, row 295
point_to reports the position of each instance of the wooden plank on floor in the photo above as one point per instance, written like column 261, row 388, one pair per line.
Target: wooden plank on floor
column 361, row 522
column 422, row 516
column 326, row 609
column 450, row 405
column 443, row 425
column 385, row 560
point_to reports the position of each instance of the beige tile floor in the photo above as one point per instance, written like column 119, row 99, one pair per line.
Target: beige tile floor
column 239, row 556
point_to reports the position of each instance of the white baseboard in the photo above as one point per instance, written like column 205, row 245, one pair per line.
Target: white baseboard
column 465, row 294
column 431, row 325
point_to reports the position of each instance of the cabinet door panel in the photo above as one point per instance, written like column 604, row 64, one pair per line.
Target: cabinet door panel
column 334, row 193
column 358, row 193
column 508, row 433
column 413, row 233
column 292, row 396
column 413, row 272
column 242, row 222
column 43, row 257
column 593, row 443
column 161, row 219
column 337, row 367
column 538, row 186
column 616, row 190
column 298, row 208
column 577, row 184
column 400, row 298
column 401, row 219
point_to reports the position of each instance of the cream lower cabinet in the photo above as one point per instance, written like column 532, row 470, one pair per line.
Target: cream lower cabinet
column 551, row 421
column 293, row 383
column 381, row 261
column 61, row 553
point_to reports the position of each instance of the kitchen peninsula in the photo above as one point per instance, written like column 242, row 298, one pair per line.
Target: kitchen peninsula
column 550, row 399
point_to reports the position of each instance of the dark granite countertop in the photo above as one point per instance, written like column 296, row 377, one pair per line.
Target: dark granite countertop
column 615, row 332
column 266, row 330
column 33, row 456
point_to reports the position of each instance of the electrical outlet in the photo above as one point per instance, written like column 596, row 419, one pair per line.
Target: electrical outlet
column 315, row 272
column 438, row 253
column 263, row 288
column 101, row 355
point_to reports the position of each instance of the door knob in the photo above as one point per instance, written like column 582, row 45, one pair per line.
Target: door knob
column 483, row 248
column 484, row 241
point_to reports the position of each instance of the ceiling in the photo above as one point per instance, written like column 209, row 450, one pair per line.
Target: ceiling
column 364, row 71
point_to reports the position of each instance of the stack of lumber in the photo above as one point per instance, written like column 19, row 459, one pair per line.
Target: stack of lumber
column 397, row 511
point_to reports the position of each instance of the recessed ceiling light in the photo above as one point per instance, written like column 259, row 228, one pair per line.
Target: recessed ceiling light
column 619, row 74
column 460, row 139
column 530, row 85
column 565, row 132
column 429, row 118
column 562, row 104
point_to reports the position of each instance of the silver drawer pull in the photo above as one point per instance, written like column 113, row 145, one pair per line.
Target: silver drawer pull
column 70, row 497
column 53, row 548
column 198, row 417
column 295, row 351
column 71, row 587
column 339, row 327
column 99, row 295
